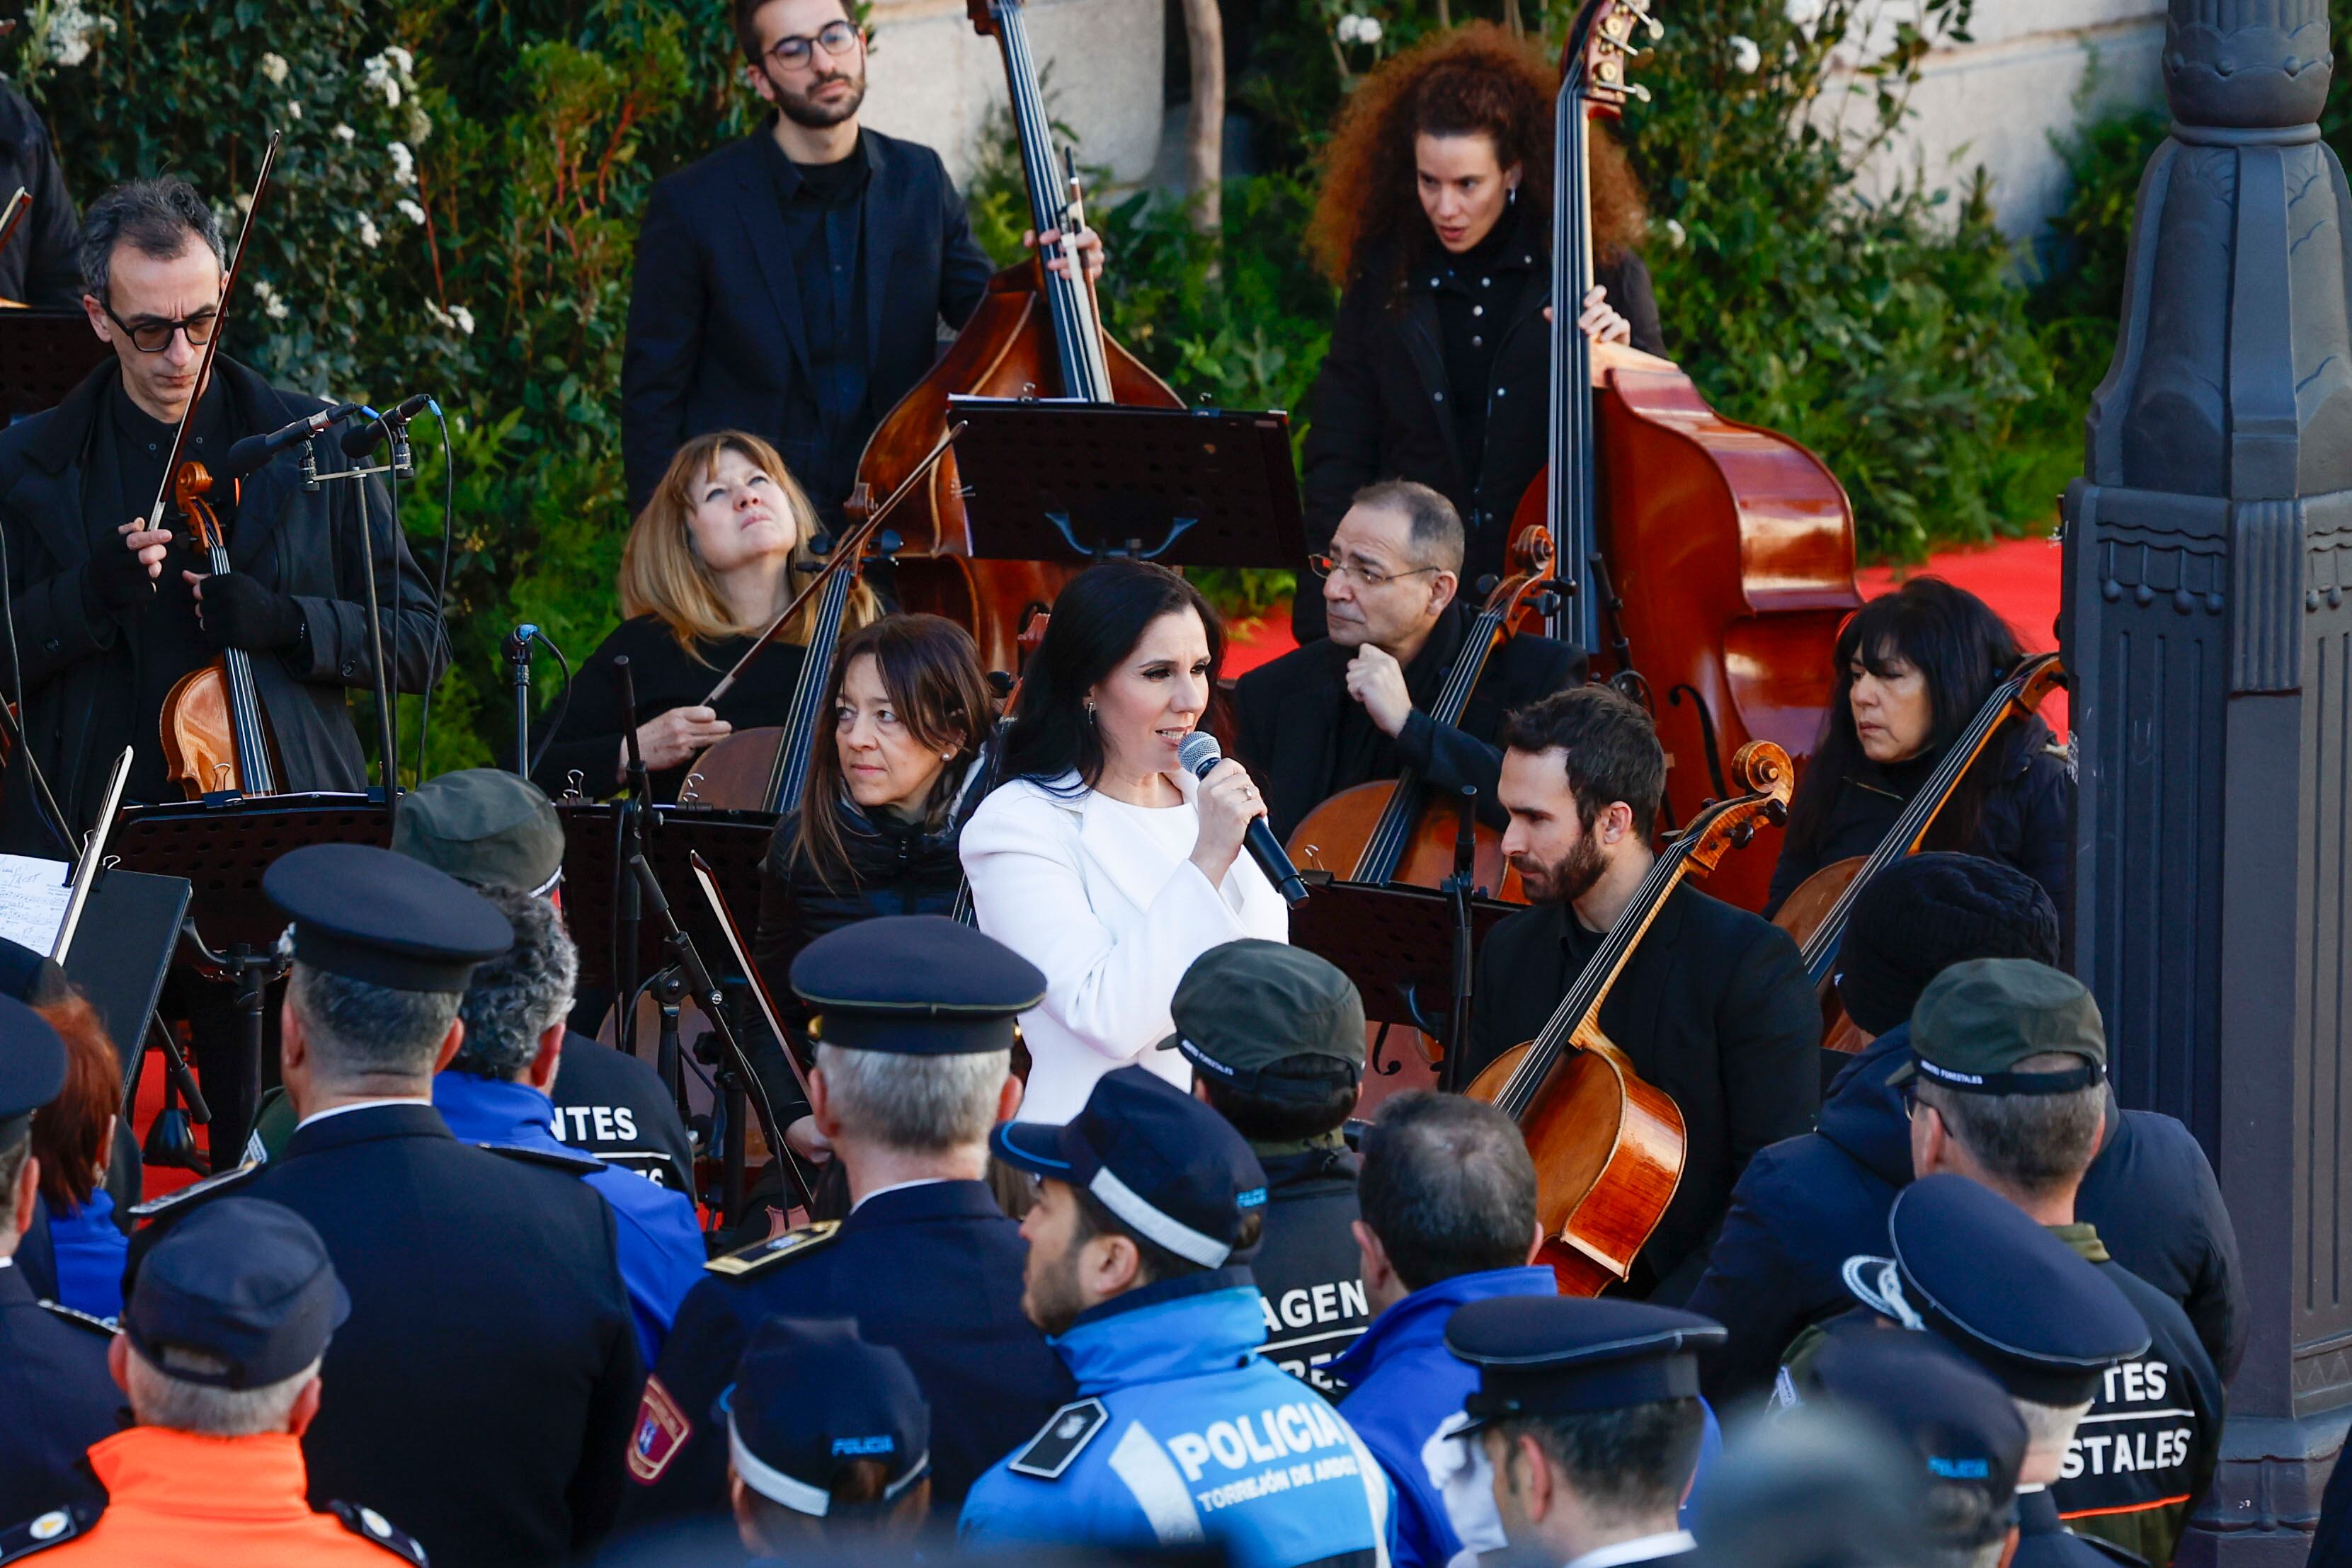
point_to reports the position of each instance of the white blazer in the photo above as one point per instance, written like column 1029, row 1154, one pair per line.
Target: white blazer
column 1113, row 922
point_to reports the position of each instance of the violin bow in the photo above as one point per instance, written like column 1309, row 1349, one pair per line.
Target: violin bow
column 846, row 554
column 220, row 322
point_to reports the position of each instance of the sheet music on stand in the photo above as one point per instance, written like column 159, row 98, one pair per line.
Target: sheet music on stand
column 41, row 900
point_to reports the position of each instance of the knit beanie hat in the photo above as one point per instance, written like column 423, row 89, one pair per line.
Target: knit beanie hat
column 1928, row 911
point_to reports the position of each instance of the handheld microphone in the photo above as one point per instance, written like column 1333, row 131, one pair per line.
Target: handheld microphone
column 1200, row 753
column 256, row 450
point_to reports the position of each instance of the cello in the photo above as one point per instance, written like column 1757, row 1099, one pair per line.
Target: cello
column 1035, row 333
column 1816, row 913
column 215, row 735
column 1705, row 560
column 1609, row 1147
column 1385, row 828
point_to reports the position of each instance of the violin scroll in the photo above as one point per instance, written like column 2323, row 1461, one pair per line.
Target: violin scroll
column 1764, row 770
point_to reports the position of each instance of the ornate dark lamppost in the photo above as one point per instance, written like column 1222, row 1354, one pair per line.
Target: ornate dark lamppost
column 2207, row 560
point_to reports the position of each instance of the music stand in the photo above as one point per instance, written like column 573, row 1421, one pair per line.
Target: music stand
column 121, row 972
column 734, row 843
column 44, row 354
column 1048, row 480
column 1396, row 943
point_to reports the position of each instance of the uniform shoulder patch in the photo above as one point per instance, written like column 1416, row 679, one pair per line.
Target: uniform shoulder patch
column 660, row 1435
column 572, row 1162
column 54, row 1528
column 374, row 1527
column 1062, row 1439
column 211, row 1186
column 79, row 1319
column 766, row 1254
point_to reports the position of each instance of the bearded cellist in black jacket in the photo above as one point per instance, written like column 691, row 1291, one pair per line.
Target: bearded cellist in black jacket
column 106, row 614
column 1435, row 217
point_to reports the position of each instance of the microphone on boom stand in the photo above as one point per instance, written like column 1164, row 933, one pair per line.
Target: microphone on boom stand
column 362, row 439
column 253, row 451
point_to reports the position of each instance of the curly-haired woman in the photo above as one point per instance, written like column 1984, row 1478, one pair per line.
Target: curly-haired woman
column 1436, row 219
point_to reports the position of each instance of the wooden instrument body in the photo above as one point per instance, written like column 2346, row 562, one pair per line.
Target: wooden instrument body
column 199, row 734
column 1608, row 1151
column 1801, row 915
column 732, row 775
column 1731, row 548
column 1006, row 349
column 1330, row 838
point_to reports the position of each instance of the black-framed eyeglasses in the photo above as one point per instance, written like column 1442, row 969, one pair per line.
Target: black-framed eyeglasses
column 837, row 38
column 1332, row 566
column 155, row 336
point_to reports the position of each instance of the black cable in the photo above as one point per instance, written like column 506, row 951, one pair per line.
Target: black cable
column 562, row 708
column 441, row 580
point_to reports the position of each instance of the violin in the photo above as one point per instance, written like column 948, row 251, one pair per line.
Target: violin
column 215, row 737
column 1703, row 559
column 1385, row 830
column 1608, row 1146
column 1816, row 913
column 1035, row 333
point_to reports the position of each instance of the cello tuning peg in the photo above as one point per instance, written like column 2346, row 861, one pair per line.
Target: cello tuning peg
column 1742, row 833
column 1485, row 584
column 1779, row 812
column 888, row 542
column 1000, row 683
column 1547, row 603
column 822, row 545
column 1635, row 89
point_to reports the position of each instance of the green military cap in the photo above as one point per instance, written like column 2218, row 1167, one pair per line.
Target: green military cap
column 1244, row 1006
column 483, row 826
column 1976, row 1021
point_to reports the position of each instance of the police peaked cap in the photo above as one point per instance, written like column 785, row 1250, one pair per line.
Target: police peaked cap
column 915, row 985
column 370, row 915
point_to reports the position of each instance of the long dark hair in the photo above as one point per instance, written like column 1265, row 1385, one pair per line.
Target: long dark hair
column 1097, row 621
column 1961, row 648
column 931, row 668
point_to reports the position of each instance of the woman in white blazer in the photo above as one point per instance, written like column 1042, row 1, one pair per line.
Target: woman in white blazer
column 1100, row 860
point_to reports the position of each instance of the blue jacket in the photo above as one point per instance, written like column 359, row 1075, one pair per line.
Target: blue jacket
column 1403, row 1384
column 655, row 1232
column 88, row 1248
column 1806, row 1204
column 1181, row 1433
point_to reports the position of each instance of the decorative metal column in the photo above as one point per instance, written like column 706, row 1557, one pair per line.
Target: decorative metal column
column 2208, row 553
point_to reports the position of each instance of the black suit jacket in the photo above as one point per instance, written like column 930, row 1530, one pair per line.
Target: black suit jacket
column 57, row 1398
column 480, row 1394
column 1712, row 1008
column 716, row 340
column 1286, row 718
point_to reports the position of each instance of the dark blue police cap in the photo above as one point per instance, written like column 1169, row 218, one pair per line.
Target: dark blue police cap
column 240, row 1294
column 1961, row 1425
column 32, row 1066
column 810, row 1397
column 1173, row 1170
column 915, row 985
column 374, row 915
column 1974, row 1267
column 1558, row 1355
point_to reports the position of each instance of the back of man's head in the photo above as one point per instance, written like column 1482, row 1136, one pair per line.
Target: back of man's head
column 1627, row 1466
column 357, row 1030
column 2032, row 1146
column 1447, row 1187
column 914, row 1104
column 517, row 998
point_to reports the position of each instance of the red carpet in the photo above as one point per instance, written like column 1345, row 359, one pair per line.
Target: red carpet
column 2019, row 578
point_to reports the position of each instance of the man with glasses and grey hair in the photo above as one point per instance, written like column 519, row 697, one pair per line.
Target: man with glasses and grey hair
column 105, row 613
column 1359, row 705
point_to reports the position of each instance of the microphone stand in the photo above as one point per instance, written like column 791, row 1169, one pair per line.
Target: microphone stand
column 384, row 692
column 629, row 844
column 734, row 1071
column 1458, row 887
column 518, row 663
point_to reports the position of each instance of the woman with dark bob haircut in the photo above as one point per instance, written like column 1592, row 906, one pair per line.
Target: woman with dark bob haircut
column 1913, row 669
column 1100, row 859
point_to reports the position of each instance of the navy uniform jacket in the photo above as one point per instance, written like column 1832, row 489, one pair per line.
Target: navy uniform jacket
column 932, row 1271
column 2042, row 1542
column 57, row 1398
column 484, row 1383
column 1310, row 1273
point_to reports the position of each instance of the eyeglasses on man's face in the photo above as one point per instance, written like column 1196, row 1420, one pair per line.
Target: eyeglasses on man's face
column 150, row 335
column 1365, row 575
column 836, row 39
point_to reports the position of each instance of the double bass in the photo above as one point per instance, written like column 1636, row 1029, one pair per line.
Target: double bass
column 1816, row 913
column 1035, row 333
column 1386, row 831
column 1609, row 1147
column 1708, row 563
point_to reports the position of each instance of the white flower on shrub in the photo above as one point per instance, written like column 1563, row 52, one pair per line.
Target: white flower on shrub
column 404, row 163
column 368, row 235
column 72, row 31
column 457, row 317
column 1354, row 28
column 1677, row 234
column 1803, row 13
column 345, row 134
column 274, row 68
column 381, row 75
column 1745, row 55
column 420, row 124
column 411, row 211
column 272, row 304
column 293, row 108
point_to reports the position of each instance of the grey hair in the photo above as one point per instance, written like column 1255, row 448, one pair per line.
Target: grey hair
column 2049, row 1431
column 920, row 1104
column 2036, row 1144
column 155, row 217
column 160, row 1399
column 517, row 997
column 361, row 1030
column 1436, row 527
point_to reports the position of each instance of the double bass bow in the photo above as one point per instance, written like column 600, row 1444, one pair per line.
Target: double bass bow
column 1816, row 913
column 215, row 735
column 1035, row 333
column 1708, row 563
column 1385, row 830
column 1608, row 1146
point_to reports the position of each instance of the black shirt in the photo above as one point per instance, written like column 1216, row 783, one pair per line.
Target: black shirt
column 825, row 215
column 1475, row 292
